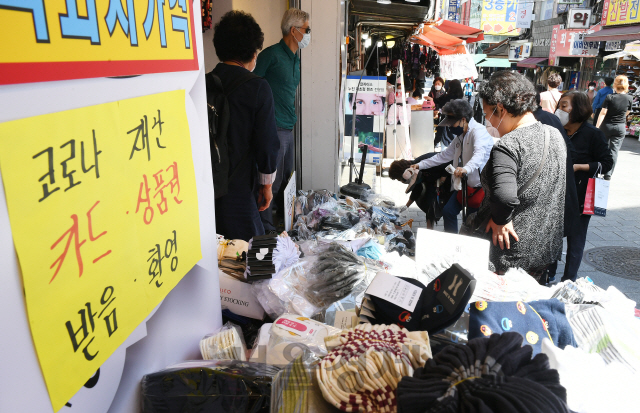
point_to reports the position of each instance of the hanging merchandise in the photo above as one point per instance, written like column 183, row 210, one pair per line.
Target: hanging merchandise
column 207, row 6
column 457, row 66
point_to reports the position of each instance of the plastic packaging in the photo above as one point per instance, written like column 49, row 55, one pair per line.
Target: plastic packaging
column 291, row 334
column 296, row 388
column 209, row 386
column 372, row 250
column 225, row 344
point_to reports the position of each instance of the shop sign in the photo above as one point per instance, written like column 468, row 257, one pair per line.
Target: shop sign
column 452, row 14
column 519, row 51
column 547, row 10
column 565, row 5
column 103, row 210
column 541, row 42
column 613, row 46
column 499, row 17
column 524, row 15
column 50, row 40
column 570, row 43
column 579, row 19
column 615, row 12
column 582, row 47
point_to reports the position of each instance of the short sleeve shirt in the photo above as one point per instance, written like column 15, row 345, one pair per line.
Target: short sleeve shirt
column 617, row 106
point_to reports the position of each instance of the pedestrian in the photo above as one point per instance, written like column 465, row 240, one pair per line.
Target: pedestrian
column 524, row 181
column 469, row 152
column 598, row 100
column 613, row 118
column 252, row 136
column 443, row 134
column 280, row 66
column 468, row 89
column 549, row 99
column 591, row 91
column 591, row 156
column 571, row 207
column 437, row 93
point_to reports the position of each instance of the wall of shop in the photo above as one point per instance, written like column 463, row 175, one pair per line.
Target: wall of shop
column 320, row 95
column 268, row 14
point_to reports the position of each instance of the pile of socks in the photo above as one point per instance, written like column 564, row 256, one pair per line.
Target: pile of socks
column 365, row 364
column 489, row 374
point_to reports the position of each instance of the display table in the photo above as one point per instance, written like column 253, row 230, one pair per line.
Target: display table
column 421, row 132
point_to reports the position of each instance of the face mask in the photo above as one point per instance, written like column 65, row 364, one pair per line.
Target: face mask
column 592, row 87
column 438, row 87
column 563, row 116
column 306, row 39
column 456, row 130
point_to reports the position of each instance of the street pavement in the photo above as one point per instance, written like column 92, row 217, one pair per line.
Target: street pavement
column 620, row 228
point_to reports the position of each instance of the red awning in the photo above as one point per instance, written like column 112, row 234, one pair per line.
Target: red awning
column 440, row 41
column 531, row 62
column 469, row 34
column 615, row 33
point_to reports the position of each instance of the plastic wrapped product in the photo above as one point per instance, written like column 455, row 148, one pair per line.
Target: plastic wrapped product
column 225, row 344
column 209, row 386
column 296, row 389
column 291, row 334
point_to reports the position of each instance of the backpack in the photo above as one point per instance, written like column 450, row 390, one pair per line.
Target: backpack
column 218, row 113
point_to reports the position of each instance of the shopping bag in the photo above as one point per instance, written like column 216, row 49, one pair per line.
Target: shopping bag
column 590, row 197
column 601, row 197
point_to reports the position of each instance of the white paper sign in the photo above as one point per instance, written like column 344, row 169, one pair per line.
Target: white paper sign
column 582, row 47
column 524, row 15
column 394, row 290
column 289, row 198
column 441, row 249
column 237, row 296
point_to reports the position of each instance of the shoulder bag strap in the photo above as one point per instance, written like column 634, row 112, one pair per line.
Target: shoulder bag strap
column 542, row 162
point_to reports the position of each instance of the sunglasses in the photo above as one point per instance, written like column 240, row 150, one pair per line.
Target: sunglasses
column 306, row 31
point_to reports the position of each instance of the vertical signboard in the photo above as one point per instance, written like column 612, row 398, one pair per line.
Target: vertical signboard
column 524, row 15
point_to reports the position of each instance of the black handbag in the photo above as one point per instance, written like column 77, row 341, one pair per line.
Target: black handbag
column 476, row 225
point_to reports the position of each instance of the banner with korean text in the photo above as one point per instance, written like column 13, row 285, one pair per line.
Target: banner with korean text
column 104, row 217
column 499, row 17
column 45, row 40
column 615, row 12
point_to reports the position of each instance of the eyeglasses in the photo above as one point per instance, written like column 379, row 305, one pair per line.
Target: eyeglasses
column 307, row 30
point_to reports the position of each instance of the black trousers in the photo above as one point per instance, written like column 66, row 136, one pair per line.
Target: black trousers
column 576, row 239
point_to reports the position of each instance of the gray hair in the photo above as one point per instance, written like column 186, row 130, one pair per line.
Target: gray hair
column 293, row 18
column 460, row 108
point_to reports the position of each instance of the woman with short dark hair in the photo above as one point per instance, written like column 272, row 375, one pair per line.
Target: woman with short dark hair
column 524, row 180
column 549, row 99
column 591, row 155
column 251, row 135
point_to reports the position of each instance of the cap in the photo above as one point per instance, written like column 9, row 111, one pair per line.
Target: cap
column 449, row 120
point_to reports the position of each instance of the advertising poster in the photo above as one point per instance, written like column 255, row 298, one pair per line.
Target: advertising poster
column 103, row 210
column 499, row 17
column 371, row 103
column 69, row 39
column 525, row 15
column 615, row 12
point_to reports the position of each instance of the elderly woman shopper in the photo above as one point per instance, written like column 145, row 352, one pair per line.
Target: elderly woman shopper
column 252, row 134
column 524, row 180
column 613, row 117
column 469, row 152
column 591, row 155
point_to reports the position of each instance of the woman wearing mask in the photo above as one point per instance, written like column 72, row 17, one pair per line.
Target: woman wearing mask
column 591, row 91
column 613, row 118
column 469, row 152
column 591, row 155
column 524, row 180
column 437, row 93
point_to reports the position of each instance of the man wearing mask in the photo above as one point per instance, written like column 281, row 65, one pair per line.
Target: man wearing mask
column 280, row 66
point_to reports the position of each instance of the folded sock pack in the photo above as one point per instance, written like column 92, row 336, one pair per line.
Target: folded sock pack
column 534, row 321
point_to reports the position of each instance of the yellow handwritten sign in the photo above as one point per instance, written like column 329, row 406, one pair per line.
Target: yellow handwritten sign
column 104, row 216
column 615, row 12
column 69, row 39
